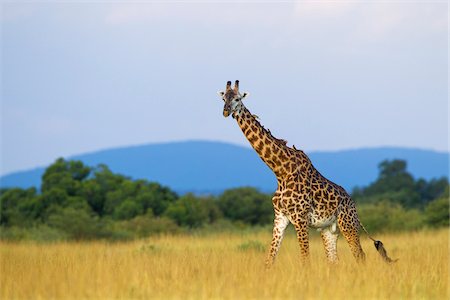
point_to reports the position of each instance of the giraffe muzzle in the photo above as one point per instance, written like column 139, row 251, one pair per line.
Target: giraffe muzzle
column 226, row 113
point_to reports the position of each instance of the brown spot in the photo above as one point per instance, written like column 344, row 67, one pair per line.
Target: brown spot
column 292, row 167
column 252, row 139
column 260, row 147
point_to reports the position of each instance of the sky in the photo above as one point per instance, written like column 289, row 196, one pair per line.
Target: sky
column 82, row 76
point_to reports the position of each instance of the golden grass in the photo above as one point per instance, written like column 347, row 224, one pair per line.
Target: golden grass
column 216, row 267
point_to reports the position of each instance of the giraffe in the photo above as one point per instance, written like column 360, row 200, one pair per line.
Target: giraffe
column 303, row 196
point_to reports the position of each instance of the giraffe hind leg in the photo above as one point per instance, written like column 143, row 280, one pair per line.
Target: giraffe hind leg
column 348, row 223
column 329, row 238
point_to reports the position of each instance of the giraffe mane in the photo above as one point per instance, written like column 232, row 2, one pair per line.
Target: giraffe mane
column 281, row 142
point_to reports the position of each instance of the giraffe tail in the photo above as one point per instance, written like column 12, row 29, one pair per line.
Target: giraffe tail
column 380, row 247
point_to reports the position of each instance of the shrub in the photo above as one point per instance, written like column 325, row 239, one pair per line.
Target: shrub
column 77, row 223
column 386, row 216
column 188, row 211
column 147, row 225
column 247, row 205
column 437, row 212
column 39, row 233
column 127, row 210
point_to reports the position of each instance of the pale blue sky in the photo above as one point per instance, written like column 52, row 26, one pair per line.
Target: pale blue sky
column 80, row 77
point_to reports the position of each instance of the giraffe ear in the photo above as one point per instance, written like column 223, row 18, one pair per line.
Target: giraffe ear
column 221, row 93
column 245, row 95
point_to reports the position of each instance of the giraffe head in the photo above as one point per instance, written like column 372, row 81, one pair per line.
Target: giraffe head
column 232, row 98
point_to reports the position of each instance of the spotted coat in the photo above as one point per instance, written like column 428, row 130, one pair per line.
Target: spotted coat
column 304, row 197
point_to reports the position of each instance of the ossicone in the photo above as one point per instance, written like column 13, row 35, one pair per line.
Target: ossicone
column 236, row 86
column 228, row 85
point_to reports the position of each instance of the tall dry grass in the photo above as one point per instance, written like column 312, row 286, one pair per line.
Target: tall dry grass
column 224, row 266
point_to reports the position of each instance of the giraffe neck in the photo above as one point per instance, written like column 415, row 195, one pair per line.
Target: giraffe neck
column 272, row 151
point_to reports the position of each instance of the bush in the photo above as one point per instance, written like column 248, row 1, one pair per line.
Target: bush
column 188, row 211
column 437, row 213
column 127, row 210
column 39, row 233
column 147, row 225
column 18, row 207
column 386, row 216
column 247, row 205
column 77, row 224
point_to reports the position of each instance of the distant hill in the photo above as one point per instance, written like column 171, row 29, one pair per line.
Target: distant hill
column 211, row 167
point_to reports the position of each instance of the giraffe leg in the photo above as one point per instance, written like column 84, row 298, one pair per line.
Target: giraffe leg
column 279, row 225
column 348, row 223
column 301, row 227
column 329, row 239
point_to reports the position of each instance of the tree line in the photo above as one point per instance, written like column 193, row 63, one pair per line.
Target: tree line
column 78, row 202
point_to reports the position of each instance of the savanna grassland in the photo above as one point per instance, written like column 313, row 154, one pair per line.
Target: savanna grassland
column 223, row 266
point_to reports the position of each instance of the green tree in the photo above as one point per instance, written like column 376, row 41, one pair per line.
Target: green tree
column 92, row 191
column 247, row 205
column 393, row 177
column 431, row 190
column 155, row 197
column 394, row 184
column 211, row 206
column 128, row 209
column 145, row 195
column 437, row 211
column 51, row 200
column 18, row 207
column 187, row 211
column 96, row 189
column 79, row 224
column 114, row 198
column 65, row 175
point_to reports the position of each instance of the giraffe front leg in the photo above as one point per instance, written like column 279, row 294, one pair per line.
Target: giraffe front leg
column 301, row 227
column 279, row 225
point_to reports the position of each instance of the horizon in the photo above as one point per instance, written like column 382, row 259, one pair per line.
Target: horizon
column 80, row 78
column 118, row 148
